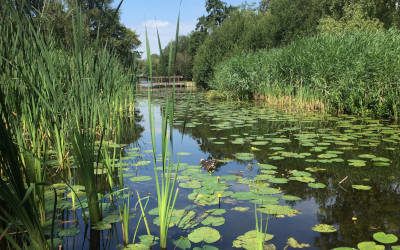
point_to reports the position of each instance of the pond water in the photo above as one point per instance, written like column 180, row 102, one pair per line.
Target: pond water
column 300, row 170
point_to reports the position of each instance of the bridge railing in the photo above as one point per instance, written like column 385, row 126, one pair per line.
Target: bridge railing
column 159, row 81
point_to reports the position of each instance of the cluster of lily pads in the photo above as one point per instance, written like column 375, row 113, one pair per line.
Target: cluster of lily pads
column 317, row 143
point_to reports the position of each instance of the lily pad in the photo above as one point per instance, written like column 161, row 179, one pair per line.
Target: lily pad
column 142, row 163
column 244, row 156
column 317, row 185
column 370, row 245
column 206, row 234
column 251, row 239
column 292, row 242
column 140, row 178
column 384, row 238
column 241, row 209
column 278, row 210
column 190, row 184
column 324, row 228
column 213, row 221
column 357, row 163
column 361, row 187
column 182, row 243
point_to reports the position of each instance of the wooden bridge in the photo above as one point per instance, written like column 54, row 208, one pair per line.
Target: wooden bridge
column 161, row 82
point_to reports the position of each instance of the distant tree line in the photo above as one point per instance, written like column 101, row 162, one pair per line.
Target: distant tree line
column 226, row 30
column 101, row 19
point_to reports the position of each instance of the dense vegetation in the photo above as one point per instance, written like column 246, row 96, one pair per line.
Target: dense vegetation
column 352, row 65
column 61, row 110
column 101, row 25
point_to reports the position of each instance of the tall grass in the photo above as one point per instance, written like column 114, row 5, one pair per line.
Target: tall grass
column 61, row 106
column 354, row 72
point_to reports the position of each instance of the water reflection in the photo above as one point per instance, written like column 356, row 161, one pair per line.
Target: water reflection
column 357, row 214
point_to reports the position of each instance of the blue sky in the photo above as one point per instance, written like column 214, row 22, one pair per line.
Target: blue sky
column 136, row 14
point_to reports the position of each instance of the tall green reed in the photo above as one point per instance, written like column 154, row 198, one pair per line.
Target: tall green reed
column 166, row 178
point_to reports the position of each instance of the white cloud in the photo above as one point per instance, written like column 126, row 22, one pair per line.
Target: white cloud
column 166, row 31
column 152, row 24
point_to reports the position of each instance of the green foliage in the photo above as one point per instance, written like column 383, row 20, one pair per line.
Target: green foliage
column 353, row 72
column 242, row 31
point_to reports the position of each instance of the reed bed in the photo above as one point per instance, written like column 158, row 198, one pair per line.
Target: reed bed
column 63, row 109
column 355, row 72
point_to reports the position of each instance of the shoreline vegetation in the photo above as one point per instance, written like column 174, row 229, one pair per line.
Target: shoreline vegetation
column 338, row 56
column 354, row 72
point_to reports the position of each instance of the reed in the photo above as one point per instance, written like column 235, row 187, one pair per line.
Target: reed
column 353, row 72
column 166, row 178
column 61, row 105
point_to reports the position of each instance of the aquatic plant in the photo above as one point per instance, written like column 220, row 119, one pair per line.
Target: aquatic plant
column 166, row 178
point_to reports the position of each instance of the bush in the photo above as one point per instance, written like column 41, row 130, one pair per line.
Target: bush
column 354, row 71
column 243, row 31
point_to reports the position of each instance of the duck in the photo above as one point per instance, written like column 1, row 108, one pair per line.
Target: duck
column 210, row 164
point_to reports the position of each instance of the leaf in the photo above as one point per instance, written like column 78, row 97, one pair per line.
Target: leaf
column 213, row 221
column 317, row 185
column 292, row 242
column 244, row 156
column 240, row 209
column 370, row 245
column 182, row 243
column 142, row 163
column 324, row 228
column 251, row 239
column 278, row 210
column 361, row 187
column 140, row 178
column 206, row 234
column 385, row 238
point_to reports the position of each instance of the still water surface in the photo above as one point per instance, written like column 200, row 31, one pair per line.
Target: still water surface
column 302, row 168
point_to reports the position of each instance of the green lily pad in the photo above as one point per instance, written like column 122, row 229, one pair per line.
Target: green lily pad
column 183, row 153
column 370, row 245
column 142, row 163
column 357, row 163
column 241, row 209
column 251, row 239
column 206, row 234
column 317, row 185
column 367, row 156
column 213, row 221
column 216, row 211
column 278, row 210
column 292, row 242
column 289, row 197
column 361, row 187
column 140, row 178
column 384, row 238
column 190, row 184
column 324, row 228
column 182, row 243
column 244, row 156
